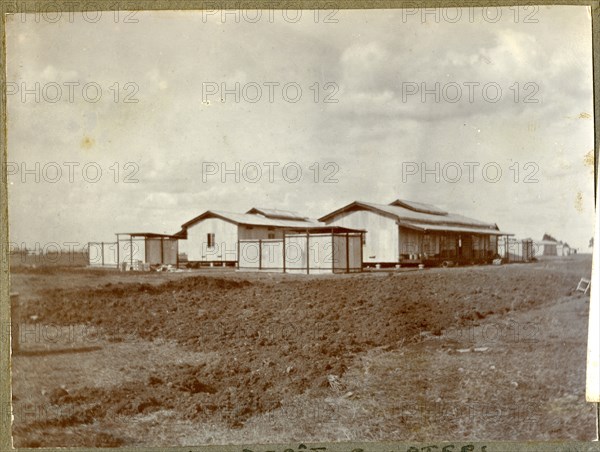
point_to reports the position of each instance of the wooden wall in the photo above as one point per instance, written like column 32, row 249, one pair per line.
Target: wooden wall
column 381, row 239
column 258, row 232
column 226, row 237
column 168, row 254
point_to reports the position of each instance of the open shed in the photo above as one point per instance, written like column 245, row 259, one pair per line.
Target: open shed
column 140, row 250
column 318, row 249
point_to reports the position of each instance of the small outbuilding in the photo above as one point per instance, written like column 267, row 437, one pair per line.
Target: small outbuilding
column 141, row 250
column 135, row 251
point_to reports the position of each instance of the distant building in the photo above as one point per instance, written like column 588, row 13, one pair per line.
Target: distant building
column 548, row 244
column 552, row 247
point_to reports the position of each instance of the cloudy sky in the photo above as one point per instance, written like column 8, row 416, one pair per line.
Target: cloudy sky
column 361, row 102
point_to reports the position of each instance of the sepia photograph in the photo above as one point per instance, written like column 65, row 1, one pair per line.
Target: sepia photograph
column 312, row 227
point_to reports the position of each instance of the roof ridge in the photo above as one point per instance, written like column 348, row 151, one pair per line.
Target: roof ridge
column 401, row 213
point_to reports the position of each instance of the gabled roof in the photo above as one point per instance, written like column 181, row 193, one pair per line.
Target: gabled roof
column 253, row 220
column 548, row 237
column 249, row 219
column 546, row 242
column 411, row 218
column 276, row 214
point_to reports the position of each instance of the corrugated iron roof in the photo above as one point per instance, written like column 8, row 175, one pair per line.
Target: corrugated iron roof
column 255, row 220
column 445, row 228
column 277, row 213
column 419, row 207
column 404, row 214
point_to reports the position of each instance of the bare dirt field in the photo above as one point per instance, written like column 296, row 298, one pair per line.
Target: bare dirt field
column 209, row 357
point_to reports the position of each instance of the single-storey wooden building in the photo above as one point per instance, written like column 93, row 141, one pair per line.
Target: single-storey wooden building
column 259, row 239
column 406, row 232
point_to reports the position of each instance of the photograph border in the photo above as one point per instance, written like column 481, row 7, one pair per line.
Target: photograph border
column 25, row 6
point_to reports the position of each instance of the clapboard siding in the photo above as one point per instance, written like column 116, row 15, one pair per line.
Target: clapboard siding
column 226, row 237
column 381, row 240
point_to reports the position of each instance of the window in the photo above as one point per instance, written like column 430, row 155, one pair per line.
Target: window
column 271, row 235
column 210, row 240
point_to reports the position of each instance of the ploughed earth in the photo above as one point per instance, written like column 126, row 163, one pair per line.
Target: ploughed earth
column 214, row 356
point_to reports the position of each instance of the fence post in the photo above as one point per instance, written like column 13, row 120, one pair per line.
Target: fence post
column 347, row 253
column 332, row 252
column 283, row 252
column 15, row 330
column 361, row 251
column 118, row 254
column 307, row 254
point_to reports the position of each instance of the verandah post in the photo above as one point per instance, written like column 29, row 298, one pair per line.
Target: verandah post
column 456, row 249
column 307, row 254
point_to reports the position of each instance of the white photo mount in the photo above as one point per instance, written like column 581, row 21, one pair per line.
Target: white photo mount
column 593, row 352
